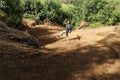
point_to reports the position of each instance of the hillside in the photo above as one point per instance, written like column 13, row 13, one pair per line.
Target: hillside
column 90, row 54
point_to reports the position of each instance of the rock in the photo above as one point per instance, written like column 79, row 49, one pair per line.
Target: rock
column 83, row 24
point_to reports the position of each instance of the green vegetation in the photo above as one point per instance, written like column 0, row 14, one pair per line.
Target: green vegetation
column 12, row 11
column 97, row 12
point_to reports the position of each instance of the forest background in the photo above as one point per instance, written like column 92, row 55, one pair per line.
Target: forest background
column 96, row 12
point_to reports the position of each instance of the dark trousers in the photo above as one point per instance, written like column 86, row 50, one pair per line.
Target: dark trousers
column 68, row 31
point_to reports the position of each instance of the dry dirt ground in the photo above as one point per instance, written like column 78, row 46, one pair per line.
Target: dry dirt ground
column 90, row 54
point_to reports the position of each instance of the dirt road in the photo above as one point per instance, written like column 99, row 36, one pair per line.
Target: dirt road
column 90, row 54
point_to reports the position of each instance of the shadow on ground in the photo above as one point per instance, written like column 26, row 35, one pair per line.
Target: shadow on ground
column 77, row 64
column 76, row 38
column 44, row 35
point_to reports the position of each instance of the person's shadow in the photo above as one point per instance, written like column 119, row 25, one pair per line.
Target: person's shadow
column 77, row 37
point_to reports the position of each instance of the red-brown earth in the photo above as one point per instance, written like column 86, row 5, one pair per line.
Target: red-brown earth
column 90, row 54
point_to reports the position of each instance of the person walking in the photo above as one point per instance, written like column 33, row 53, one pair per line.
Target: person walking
column 66, row 31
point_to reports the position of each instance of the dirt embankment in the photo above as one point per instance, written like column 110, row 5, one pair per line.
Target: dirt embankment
column 90, row 54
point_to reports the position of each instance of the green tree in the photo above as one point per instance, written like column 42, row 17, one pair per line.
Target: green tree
column 13, row 10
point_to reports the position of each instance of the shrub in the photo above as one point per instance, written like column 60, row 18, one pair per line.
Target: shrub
column 13, row 10
column 95, row 25
column 49, row 10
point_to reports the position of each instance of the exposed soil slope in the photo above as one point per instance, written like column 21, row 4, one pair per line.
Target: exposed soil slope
column 90, row 54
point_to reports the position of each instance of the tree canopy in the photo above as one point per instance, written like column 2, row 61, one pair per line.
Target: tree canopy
column 97, row 12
